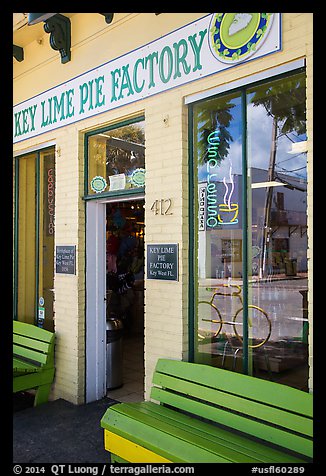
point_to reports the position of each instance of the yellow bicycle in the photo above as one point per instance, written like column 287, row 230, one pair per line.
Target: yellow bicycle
column 259, row 324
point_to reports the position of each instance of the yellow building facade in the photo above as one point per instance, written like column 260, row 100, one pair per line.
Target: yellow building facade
column 142, row 79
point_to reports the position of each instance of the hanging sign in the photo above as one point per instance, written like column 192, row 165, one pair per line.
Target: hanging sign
column 162, row 262
column 206, row 46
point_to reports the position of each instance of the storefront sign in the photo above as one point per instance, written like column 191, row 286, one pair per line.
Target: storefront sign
column 162, row 262
column 207, row 46
column 218, row 213
column 202, row 208
column 65, row 259
column 50, row 202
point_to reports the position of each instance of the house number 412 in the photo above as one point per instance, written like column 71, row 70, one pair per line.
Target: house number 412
column 162, row 206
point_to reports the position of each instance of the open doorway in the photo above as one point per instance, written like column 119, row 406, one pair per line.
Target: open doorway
column 125, row 291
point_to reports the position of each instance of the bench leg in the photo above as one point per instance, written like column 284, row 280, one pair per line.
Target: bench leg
column 42, row 394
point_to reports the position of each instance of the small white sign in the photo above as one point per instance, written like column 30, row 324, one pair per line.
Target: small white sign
column 117, row 182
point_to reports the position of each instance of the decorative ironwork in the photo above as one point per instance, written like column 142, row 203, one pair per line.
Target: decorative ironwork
column 59, row 28
column 18, row 53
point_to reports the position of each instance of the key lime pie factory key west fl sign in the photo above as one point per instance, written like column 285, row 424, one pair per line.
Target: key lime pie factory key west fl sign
column 206, row 46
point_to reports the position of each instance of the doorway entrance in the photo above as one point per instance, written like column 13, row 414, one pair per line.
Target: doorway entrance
column 125, row 291
column 115, row 288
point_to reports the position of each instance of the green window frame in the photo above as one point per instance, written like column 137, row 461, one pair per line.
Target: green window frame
column 107, row 194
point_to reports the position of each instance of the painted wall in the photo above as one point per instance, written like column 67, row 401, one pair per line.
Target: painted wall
column 166, row 302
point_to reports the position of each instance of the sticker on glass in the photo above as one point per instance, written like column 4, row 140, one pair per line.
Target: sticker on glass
column 138, row 177
column 117, row 182
column 98, row 184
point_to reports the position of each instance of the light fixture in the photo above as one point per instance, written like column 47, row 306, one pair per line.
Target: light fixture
column 34, row 18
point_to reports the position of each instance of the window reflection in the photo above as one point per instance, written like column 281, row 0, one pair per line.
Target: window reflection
column 279, row 268
column 116, row 159
column 218, row 150
column 277, row 231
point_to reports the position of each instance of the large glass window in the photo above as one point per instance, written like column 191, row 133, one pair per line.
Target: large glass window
column 116, row 159
column 251, row 251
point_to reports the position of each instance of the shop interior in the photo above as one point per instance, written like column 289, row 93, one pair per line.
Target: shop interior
column 125, row 292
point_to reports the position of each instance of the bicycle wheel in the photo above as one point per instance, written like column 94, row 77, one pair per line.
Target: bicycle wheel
column 260, row 326
column 205, row 316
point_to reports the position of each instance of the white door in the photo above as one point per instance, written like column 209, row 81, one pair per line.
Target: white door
column 96, row 295
column 95, row 301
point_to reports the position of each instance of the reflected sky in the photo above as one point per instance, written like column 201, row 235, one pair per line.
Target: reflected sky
column 259, row 129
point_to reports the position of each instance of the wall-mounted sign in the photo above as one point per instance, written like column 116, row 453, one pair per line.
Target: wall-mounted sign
column 235, row 37
column 50, row 198
column 206, row 46
column 162, row 261
column 202, row 208
column 117, row 182
column 65, row 259
column 162, row 206
column 41, row 317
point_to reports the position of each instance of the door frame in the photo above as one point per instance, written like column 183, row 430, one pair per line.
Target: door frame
column 95, row 344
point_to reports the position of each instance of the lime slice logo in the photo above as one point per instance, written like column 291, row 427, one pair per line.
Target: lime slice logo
column 235, row 37
column 238, row 29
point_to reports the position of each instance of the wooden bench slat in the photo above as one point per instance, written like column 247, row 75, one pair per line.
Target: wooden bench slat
column 33, row 360
column 206, row 414
column 279, row 395
column 31, row 343
column 238, row 422
column 127, row 449
column 29, row 330
column 234, row 440
column 29, row 381
column 117, row 459
column 218, row 446
column 233, row 402
column 155, row 435
column 30, row 354
column 20, row 367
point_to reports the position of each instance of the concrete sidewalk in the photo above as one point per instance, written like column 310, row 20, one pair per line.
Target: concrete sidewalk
column 58, row 432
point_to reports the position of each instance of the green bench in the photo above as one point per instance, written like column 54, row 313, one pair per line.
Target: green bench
column 33, row 360
column 206, row 414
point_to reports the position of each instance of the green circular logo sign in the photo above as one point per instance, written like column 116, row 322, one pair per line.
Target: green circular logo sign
column 98, row 184
column 235, row 37
column 138, row 177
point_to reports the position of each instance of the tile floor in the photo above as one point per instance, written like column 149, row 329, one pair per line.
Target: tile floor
column 132, row 389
